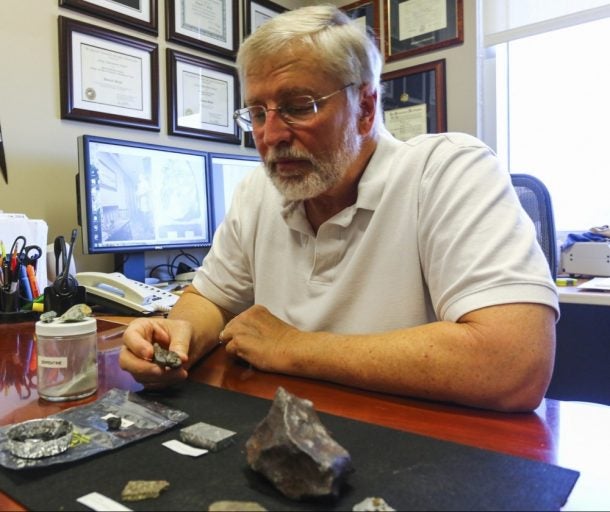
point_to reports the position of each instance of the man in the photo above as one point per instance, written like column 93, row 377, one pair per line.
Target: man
column 405, row 268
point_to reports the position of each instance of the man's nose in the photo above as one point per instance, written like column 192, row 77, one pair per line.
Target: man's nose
column 275, row 130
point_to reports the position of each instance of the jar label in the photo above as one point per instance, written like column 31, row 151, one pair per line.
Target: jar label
column 52, row 362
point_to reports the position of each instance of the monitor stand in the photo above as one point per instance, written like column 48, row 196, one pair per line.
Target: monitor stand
column 132, row 265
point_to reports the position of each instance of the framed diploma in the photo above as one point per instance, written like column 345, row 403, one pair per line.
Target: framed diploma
column 137, row 14
column 366, row 14
column 257, row 12
column 207, row 25
column 418, row 26
column 414, row 100
column 107, row 77
column 202, row 96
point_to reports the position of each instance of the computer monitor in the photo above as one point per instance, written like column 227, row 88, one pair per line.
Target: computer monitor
column 136, row 197
column 226, row 171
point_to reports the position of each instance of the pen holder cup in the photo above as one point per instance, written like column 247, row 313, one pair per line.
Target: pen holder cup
column 60, row 302
column 9, row 301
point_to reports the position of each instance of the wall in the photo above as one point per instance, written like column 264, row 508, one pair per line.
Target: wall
column 41, row 148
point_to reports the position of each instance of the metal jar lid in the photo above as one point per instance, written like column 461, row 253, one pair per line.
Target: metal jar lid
column 61, row 328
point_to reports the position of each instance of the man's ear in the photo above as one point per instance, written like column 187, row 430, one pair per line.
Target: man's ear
column 368, row 109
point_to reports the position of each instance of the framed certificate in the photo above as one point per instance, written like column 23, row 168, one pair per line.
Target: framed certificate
column 418, row 26
column 107, row 77
column 257, row 12
column 414, row 100
column 136, row 14
column 207, row 25
column 366, row 13
column 202, row 96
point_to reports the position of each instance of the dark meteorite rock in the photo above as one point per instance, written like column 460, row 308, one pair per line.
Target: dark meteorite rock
column 164, row 357
column 113, row 422
column 294, row 451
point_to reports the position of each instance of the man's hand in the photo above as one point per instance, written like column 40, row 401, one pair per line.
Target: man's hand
column 137, row 352
column 260, row 338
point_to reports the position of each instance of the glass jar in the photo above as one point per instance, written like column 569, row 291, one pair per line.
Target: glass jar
column 67, row 359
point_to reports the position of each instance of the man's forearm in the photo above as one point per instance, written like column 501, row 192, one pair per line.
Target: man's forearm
column 505, row 368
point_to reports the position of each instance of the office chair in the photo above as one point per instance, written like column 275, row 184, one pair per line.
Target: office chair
column 536, row 201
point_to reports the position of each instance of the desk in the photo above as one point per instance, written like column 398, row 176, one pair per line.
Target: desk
column 575, row 295
column 570, row 434
column 582, row 357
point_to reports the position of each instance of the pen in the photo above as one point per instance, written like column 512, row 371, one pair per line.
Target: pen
column 26, row 290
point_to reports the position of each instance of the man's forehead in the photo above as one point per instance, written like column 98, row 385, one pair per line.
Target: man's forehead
column 286, row 80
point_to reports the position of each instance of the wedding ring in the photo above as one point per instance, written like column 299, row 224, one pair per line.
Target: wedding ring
column 221, row 336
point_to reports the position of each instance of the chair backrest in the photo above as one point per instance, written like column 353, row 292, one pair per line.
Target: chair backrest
column 536, row 201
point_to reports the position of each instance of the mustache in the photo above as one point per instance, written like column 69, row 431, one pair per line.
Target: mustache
column 275, row 154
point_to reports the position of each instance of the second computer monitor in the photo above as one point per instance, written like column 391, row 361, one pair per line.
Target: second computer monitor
column 226, row 172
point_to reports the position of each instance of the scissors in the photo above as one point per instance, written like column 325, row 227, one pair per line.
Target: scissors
column 26, row 254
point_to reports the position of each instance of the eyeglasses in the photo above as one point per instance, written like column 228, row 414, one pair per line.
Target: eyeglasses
column 297, row 110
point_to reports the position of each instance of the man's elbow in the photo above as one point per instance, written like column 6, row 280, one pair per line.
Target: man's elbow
column 526, row 387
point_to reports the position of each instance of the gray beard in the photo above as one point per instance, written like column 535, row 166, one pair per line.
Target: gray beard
column 325, row 171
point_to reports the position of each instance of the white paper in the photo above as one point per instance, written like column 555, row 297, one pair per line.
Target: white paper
column 184, row 449
column 597, row 283
column 407, row 122
column 101, row 503
column 35, row 232
column 106, row 78
column 418, row 17
column 205, row 99
column 206, row 20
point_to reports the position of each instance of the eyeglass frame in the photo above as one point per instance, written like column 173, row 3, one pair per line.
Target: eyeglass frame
column 248, row 126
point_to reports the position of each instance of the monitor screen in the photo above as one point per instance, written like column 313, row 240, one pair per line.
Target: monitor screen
column 226, row 171
column 137, row 197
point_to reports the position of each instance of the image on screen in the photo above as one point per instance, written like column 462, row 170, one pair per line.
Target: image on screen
column 140, row 197
column 226, row 172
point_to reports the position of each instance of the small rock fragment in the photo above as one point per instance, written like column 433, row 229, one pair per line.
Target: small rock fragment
column 236, row 506
column 373, row 504
column 207, row 436
column 165, row 357
column 113, row 422
column 48, row 317
column 294, row 451
column 76, row 313
column 137, row 490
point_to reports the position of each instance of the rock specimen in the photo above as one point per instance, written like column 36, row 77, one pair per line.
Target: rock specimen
column 34, row 439
column 295, row 452
column 136, row 490
column 207, row 436
column 236, row 506
column 113, row 422
column 373, row 504
column 165, row 357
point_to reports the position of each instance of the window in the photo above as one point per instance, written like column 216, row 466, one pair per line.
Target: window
column 545, row 108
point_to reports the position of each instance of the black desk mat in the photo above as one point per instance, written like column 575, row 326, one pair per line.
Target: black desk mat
column 410, row 471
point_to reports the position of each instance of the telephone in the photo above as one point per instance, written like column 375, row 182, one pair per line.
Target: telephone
column 124, row 295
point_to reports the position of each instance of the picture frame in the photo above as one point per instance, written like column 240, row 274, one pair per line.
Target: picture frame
column 107, row 77
column 256, row 12
column 440, row 23
column 202, row 96
column 366, row 13
column 414, row 100
column 204, row 25
column 136, row 14
column 249, row 140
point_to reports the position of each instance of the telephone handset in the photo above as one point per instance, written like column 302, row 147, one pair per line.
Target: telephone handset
column 117, row 292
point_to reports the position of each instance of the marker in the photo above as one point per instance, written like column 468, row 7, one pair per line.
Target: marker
column 33, row 281
column 565, row 281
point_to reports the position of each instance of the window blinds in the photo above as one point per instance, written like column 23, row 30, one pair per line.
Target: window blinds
column 506, row 20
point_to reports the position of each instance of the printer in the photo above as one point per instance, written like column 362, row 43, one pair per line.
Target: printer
column 587, row 259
